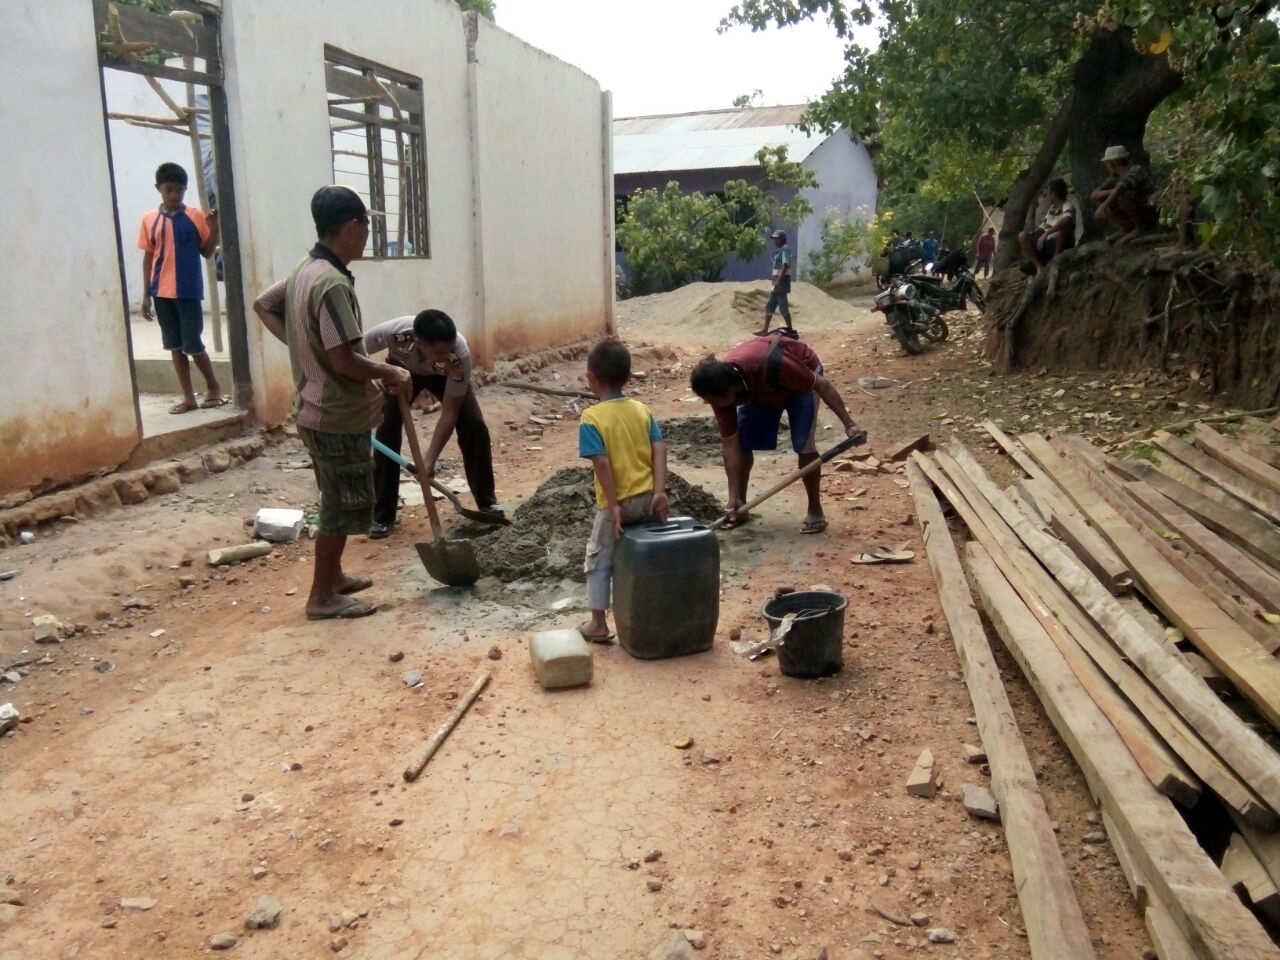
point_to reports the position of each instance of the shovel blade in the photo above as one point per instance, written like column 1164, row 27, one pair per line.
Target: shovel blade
column 452, row 562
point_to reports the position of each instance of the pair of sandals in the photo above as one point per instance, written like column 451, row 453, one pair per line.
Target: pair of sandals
column 352, row 608
column 208, row 403
column 811, row 525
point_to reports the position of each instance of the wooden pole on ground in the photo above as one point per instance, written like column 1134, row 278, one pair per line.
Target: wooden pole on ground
column 1055, row 926
column 429, row 748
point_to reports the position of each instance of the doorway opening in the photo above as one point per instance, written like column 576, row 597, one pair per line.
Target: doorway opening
column 184, row 311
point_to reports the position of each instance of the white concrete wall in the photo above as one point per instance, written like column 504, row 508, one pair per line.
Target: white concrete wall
column 846, row 184
column 274, row 55
column 66, row 399
column 543, row 184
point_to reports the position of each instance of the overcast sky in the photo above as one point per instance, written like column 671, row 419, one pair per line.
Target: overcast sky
column 664, row 56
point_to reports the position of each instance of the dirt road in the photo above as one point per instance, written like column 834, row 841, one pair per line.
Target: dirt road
column 245, row 751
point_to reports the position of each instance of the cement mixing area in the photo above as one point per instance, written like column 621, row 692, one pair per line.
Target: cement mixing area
column 192, row 766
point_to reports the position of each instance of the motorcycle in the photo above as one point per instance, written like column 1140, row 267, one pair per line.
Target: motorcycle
column 909, row 317
column 952, row 296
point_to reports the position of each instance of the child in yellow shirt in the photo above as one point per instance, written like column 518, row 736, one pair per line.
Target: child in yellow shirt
column 624, row 444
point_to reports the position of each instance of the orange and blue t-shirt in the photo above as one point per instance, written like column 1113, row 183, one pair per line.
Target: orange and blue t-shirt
column 174, row 241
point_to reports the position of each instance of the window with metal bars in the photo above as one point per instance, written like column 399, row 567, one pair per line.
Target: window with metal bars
column 377, row 134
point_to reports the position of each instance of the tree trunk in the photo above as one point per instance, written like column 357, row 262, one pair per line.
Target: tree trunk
column 1115, row 89
column 1025, row 189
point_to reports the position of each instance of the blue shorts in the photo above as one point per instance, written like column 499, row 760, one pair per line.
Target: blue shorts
column 758, row 425
column 778, row 302
column 181, row 323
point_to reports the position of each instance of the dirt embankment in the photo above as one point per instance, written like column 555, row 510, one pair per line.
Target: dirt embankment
column 1144, row 306
column 549, row 531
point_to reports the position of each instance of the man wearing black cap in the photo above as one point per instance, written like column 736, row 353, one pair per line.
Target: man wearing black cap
column 315, row 312
column 781, row 285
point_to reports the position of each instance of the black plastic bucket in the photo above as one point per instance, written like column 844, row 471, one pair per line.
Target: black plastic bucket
column 814, row 647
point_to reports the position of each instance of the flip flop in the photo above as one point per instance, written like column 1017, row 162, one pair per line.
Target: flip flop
column 606, row 638
column 884, row 555
column 182, row 407
column 356, row 585
column 208, row 403
column 814, row 526
column 742, row 520
column 348, row 611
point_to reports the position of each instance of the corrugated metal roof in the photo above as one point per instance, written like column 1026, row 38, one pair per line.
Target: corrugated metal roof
column 711, row 140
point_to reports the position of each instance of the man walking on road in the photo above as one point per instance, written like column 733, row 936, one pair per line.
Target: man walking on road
column 438, row 359
column 748, row 390
column 781, row 285
column 316, row 313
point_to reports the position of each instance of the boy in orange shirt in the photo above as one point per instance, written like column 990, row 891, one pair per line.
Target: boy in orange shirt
column 172, row 238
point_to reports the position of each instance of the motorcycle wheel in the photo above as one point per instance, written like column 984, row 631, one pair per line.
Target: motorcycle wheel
column 910, row 342
column 936, row 330
column 978, row 298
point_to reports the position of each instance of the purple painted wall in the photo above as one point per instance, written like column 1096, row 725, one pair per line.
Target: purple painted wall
column 847, row 184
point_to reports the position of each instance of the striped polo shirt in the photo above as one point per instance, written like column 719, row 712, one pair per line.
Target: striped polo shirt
column 174, row 241
column 321, row 312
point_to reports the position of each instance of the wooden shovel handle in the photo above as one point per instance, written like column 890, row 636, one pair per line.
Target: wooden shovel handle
column 791, row 478
column 411, row 431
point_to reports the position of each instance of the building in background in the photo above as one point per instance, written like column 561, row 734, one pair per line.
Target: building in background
column 704, row 150
column 483, row 152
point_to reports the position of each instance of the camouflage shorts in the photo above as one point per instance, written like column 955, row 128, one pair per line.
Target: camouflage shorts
column 343, row 464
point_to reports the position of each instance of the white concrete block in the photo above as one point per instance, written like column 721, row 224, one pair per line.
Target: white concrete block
column 561, row 658
column 278, row 525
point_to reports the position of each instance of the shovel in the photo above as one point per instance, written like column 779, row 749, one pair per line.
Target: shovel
column 452, row 562
column 479, row 516
column 787, row 481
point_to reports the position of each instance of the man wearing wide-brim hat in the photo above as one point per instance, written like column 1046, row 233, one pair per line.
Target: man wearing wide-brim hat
column 1124, row 198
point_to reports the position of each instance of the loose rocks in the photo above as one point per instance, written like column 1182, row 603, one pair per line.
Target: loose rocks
column 222, row 941
column 265, row 915
column 674, row 948
column 979, row 802
column 940, row 935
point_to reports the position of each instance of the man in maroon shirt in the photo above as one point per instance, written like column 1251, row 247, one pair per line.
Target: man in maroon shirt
column 986, row 250
column 748, row 390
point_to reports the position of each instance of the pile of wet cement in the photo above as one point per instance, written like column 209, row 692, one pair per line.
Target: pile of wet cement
column 548, row 532
column 692, row 440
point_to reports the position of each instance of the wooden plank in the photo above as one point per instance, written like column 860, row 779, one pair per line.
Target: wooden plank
column 1015, row 452
column 1264, row 501
column 1055, row 926
column 1241, row 461
column 1242, row 527
column 1248, row 879
column 209, row 78
column 1085, row 542
column 1074, row 636
column 1207, row 912
column 1264, row 844
column 185, row 38
column 1236, row 565
column 1190, row 564
column 1168, row 939
column 1239, row 747
column 1250, row 667
column 347, row 84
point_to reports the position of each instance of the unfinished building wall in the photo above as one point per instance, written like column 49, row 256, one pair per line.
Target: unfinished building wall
column 546, row 193
column 275, row 67
column 66, row 395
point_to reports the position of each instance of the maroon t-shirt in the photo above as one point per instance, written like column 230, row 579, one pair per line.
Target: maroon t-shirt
column 986, row 245
column 797, row 374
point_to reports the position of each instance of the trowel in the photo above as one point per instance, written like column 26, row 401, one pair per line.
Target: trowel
column 452, row 562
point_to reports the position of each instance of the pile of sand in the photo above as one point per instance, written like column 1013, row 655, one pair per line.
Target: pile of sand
column 727, row 312
column 548, row 532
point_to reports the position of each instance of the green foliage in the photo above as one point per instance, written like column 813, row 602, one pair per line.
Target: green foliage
column 958, row 94
column 672, row 238
column 486, row 8
column 845, row 243
column 747, row 100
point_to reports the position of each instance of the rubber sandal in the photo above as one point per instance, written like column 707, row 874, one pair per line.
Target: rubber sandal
column 356, row 585
column 884, row 555
column 742, row 521
column 814, row 526
column 208, row 403
column 182, row 407
column 348, row 611
column 606, row 638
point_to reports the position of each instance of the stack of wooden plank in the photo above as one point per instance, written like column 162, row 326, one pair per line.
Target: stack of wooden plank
column 1141, row 599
